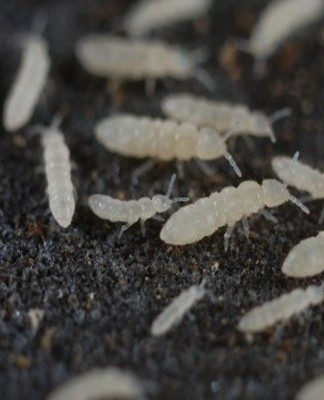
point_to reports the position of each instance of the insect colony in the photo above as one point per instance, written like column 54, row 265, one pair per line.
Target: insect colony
column 194, row 127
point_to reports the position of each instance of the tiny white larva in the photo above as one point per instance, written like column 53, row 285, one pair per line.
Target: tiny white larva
column 125, row 59
column 202, row 218
column 107, row 383
column 175, row 311
column 312, row 390
column 58, row 174
column 226, row 118
column 131, row 211
column 28, row 85
column 162, row 139
column 280, row 20
column 306, row 258
column 280, row 309
column 147, row 14
column 299, row 175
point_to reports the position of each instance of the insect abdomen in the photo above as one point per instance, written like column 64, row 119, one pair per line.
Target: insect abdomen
column 58, row 173
column 28, row 85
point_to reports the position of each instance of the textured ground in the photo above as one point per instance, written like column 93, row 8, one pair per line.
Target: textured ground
column 98, row 295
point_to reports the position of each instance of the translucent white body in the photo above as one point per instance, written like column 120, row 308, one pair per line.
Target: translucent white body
column 107, row 383
column 162, row 139
column 306, row 258
column 226, row 118
column 202, row 218
column 28, row 85
column 130, row 211
column 125, row 59
column 151, row 14
column 312, row 390
column 281, row 19
column 299, row 175
column 175, row 311
column 58, row 174
column 280, row 309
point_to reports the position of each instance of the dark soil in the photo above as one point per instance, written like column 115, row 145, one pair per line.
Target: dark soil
column 99, row 296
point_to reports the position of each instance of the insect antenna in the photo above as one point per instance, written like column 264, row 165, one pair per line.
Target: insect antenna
column 298, row 203
column 280, row 114
column 170, row 187
column 233, row 164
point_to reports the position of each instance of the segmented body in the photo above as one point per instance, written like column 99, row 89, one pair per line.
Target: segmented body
column 280, row 309
column 202, row 218
column 28, row 85
column 224, row 117
column 281, row 19
column 107, row 383
column 125, row 59
column 175, row 311
column 312, row 390
column 299, row 175
column 306, row 258
column 163, row 139
column 130, row 211
column 58, row 174
column 147, row 14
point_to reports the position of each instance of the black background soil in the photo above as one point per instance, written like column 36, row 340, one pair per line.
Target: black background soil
column 99, row 296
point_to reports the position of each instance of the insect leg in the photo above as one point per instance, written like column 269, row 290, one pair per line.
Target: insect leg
column 267, row 214
column 233, row 164
column 298, row 203
column 141, row 170
column 142, row 222
column 321, row 218
column 204, row 167
column 246, row 227
column 227, row 235
column 123, row 229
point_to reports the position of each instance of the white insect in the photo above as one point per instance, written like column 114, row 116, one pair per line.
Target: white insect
column 312, row 390
column 280, row 309
column 224, row 117
column 28, row 85
column 58, row 174
column 299, row 175
column 162, row 139
column 280, row 20
column 106, row 383
column 151, row 14
column 131, row 211
column 306, row 258
column 202, row 218
column 175, row 311
column 125, row 59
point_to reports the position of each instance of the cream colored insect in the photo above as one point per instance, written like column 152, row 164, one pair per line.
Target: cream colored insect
column 106, row 383
column 28, row 85
column 58, row 174
column 312, row 390
column 300, row 176
column 125, row 59
column 131, row 211
column 202, row 218
column 280, row 309
column 152, row 14
column 162, row 139
column 306, row 258
column 280, row 20
column 224, row 117
column 175, row 311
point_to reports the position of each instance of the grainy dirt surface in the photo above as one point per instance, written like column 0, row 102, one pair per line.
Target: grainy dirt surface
column 99, row 296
